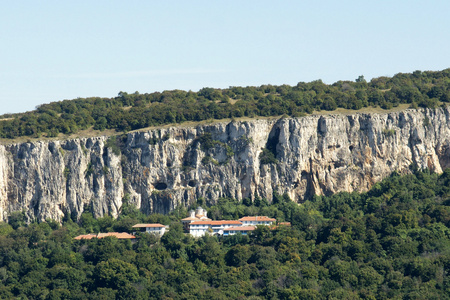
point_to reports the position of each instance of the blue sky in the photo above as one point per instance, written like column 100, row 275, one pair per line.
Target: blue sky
column 56, row 50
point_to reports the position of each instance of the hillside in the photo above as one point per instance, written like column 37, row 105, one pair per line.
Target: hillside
column 389, row 243
column 373, row 185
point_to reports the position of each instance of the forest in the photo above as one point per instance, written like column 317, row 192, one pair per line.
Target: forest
column 392, row 242
column 135, row 111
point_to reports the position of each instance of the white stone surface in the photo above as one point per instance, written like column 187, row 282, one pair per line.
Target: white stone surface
column 316, row 155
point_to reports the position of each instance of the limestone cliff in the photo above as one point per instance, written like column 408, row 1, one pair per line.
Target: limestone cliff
column 158, row 170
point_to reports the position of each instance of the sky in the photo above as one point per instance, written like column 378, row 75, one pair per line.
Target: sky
column 56, row 50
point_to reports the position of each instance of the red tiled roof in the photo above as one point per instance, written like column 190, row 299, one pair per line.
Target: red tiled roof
column 240, row 228
column 257, row 218
column 194, row 219
column 189, row 219
column 226, row 222
column 285, row 223
column 222, row 222
column 148, row 225
column 119, row 235
column 85, row 236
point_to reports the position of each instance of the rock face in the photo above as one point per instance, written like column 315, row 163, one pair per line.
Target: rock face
column 159, row 170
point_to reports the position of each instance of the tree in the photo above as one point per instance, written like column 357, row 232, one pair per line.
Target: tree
column 17, row 219
column 329, row 103
column 115, row 273
column 237, row 256
column 172, row 239
column 360, row 79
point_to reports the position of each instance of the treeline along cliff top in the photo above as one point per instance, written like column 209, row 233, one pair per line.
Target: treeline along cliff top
column 134, row 111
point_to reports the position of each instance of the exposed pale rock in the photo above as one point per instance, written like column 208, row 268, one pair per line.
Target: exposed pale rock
column 159, row 170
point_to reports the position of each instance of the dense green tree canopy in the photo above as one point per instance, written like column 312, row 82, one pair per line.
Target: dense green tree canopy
column 389, row 243
column 134, row 111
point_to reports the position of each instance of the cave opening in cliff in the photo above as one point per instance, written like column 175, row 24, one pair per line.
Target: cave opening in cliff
column 304, row 175
column 160, row 186
column 192, row 183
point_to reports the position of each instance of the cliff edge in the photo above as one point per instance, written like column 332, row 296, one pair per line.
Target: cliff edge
column 158, row 170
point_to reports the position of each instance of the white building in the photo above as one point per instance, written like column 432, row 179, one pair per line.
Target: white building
column 257, row 220
column 195, row 215
column 200, row 228
column 155, row 228
column 244, row 230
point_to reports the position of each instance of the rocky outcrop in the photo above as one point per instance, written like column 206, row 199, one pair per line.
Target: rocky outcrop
column 158, row 170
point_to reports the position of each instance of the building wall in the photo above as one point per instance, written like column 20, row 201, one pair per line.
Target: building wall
column 156, row 230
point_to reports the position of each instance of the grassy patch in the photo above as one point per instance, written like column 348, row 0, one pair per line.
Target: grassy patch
column 112, row 143
column 208, row 159
column 267, row 157
column 389, row 132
